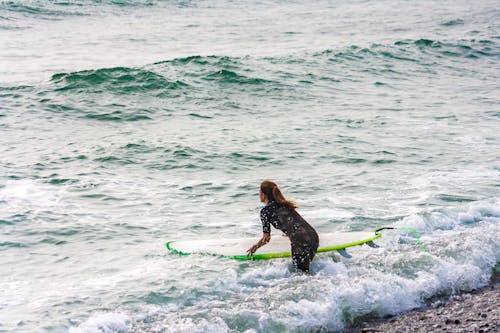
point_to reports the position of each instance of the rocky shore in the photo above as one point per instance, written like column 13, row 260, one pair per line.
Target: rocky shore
column 475, row 312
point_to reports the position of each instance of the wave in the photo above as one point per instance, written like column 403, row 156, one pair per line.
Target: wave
column 452, row 23
column 220, row 69
column 416, row 50
column 225, row 76
column 15, row 12
column 136, row 94
column 103, row 322
column 236, row 70
column 268, row 296
column 180, row 86
column 110, row 94
column 465, row 49
column 46, row 9
column 118, row 80
column 150, row 80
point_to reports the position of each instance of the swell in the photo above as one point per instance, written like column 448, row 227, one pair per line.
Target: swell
column 42, row 9
column 109, row 94
column 233, row 71
column 46, row 9
column 14, row 13
column 118, row 80
column 57, row 8
column 157, row 90
column 415, row 50
column 179, row 86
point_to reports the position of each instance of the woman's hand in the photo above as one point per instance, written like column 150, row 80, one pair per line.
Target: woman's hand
column 251, row 251
column 264, row 240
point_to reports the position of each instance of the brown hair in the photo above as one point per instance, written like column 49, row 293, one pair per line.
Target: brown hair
column 272, row 192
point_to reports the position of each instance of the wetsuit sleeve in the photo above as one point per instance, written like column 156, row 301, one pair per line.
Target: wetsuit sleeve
column 265, row 217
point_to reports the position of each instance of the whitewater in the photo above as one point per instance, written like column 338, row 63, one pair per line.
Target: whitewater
column 127, row 124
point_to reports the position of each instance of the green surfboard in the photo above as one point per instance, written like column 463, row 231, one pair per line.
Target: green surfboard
column 278, row 247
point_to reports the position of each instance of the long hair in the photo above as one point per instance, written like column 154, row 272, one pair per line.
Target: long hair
column 272, row 192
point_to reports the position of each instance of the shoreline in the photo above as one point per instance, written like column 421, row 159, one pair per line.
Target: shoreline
column 475, row 311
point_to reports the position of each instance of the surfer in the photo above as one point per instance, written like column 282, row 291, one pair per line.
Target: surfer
column 281, row 214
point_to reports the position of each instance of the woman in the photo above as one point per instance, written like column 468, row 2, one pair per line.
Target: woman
column 281, row 213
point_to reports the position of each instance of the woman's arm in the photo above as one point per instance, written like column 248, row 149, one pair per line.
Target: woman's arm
column 266, row 237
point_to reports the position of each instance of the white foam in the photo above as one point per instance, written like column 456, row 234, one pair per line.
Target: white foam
column 478, row 212
column 103, row 323
column 268, row 296
column 30, row 195
column 326, row 213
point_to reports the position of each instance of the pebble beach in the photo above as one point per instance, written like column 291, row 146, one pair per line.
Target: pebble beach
column 473, row 312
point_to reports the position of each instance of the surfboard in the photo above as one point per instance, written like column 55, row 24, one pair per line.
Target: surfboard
column 278, row 247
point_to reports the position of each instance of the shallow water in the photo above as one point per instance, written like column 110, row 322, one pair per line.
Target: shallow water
column 125, row 124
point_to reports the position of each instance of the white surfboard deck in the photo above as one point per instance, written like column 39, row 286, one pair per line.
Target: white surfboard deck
column 278, row 247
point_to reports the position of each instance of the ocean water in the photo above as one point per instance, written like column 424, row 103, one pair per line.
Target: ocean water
column 125, row 124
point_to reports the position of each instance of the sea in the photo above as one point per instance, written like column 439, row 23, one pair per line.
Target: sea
column 125, row 124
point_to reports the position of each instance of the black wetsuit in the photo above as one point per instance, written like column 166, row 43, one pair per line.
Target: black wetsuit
column 304, row 239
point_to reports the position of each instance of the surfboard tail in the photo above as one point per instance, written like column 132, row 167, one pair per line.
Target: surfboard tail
column 411, row 230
